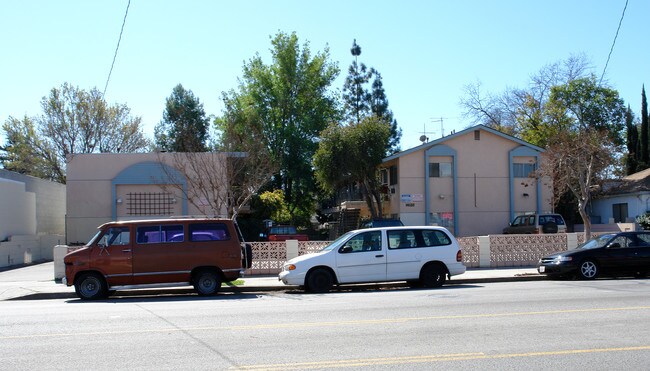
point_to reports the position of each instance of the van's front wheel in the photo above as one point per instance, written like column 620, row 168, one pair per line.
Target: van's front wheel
column 90, row 286
column 207, row 283
column 319, row 281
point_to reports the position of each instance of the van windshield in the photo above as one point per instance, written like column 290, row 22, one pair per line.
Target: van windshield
column 94, row 238
column 338, row 242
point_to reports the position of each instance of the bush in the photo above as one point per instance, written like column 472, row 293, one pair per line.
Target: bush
column 644, row 221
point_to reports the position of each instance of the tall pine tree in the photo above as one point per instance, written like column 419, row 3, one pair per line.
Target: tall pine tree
column 359, row 102
column 632, row 160
column 645, row 152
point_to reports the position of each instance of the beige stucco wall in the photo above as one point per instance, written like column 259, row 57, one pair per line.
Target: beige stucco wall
column 17, row 209
column 483, row 184
column 89, row 191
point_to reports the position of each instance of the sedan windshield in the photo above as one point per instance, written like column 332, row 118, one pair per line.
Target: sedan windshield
column 597, row 242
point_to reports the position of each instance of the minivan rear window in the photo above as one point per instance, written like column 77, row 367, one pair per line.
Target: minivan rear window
column 403, row 239
column 208, row 232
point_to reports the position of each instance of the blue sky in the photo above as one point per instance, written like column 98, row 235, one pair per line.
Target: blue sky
column 426, row 51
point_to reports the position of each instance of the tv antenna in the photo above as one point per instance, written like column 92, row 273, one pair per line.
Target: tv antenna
column 441, row 121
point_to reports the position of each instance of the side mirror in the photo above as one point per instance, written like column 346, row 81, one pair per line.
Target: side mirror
column 615, row 245
column 345, row 249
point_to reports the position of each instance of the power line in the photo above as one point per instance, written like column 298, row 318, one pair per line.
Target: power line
column 117, row 47
column 613, row 43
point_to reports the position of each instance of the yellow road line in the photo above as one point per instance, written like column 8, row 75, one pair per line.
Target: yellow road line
column 295, row 325
column 429, row 359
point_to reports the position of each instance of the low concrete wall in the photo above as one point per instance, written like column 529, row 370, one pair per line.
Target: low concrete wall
column 25, row 249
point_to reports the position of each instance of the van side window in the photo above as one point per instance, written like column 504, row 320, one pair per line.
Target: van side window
column 401, row 239
column 116, row 236
column 148, row 234
column 208, row 232
column 157, row 234
column 435, row 238
column 172, row 233
column 367, row 241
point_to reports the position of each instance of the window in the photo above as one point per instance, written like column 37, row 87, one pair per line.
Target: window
column 622, row 241
column 392, row 176
column 442, row 219
column 523, row 170
column 208, row 232
column 368, row 241
column 643, row 239
column 384, row 176
column 283, row 229
column 435, row 238
column 172, row 233
column 440, row 170
column 116, row 236
column 157, row 234
column 401, row 239
column 477, row 135
column 619, row 212
column 405, row 239
column 144, row 203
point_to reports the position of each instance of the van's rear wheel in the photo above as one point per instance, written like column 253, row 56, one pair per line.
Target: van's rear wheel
column 90, row 286
column 207, row 283
column 433, row 275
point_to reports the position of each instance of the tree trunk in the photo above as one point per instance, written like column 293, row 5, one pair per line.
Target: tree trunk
column 368, row 197
column 582, row 209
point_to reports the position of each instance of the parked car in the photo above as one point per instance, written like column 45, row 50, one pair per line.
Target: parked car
column 616, row 254
column 202, row 252
column 283, row 233
column 419, row 255
column 536, row 223
column 376, row 223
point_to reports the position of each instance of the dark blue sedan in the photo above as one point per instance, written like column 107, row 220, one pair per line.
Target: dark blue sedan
column 613, row 254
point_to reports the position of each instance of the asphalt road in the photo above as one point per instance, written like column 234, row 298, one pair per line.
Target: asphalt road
column 541, row 325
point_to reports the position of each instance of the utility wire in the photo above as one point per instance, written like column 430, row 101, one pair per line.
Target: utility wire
column 613, row 43
column 117, row 48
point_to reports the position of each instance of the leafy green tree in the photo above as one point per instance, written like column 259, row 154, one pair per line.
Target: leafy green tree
column 272, row 205
column 582, row 155
column 351, row 155
column 73, row 121
column 286, row 104
column 25, row 153
column 184, row 127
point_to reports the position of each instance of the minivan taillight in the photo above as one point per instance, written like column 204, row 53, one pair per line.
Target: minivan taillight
column 459, row 256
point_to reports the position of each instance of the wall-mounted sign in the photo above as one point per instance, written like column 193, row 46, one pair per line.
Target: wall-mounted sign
column 406, row 198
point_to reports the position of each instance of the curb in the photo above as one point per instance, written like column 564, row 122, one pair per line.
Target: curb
column 256, row 289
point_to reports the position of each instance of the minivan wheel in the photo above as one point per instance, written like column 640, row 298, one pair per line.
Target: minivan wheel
column 588, row 270
column 90, row 286
column 207, row 283
column 432, row 276
column 319, row 281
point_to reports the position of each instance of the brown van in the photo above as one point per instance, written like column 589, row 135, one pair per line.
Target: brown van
column 202, row 252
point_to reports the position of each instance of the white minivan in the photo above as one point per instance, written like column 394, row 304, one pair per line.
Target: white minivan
column 418, row 255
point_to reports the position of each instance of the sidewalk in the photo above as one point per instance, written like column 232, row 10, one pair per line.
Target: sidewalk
column 36, row 282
